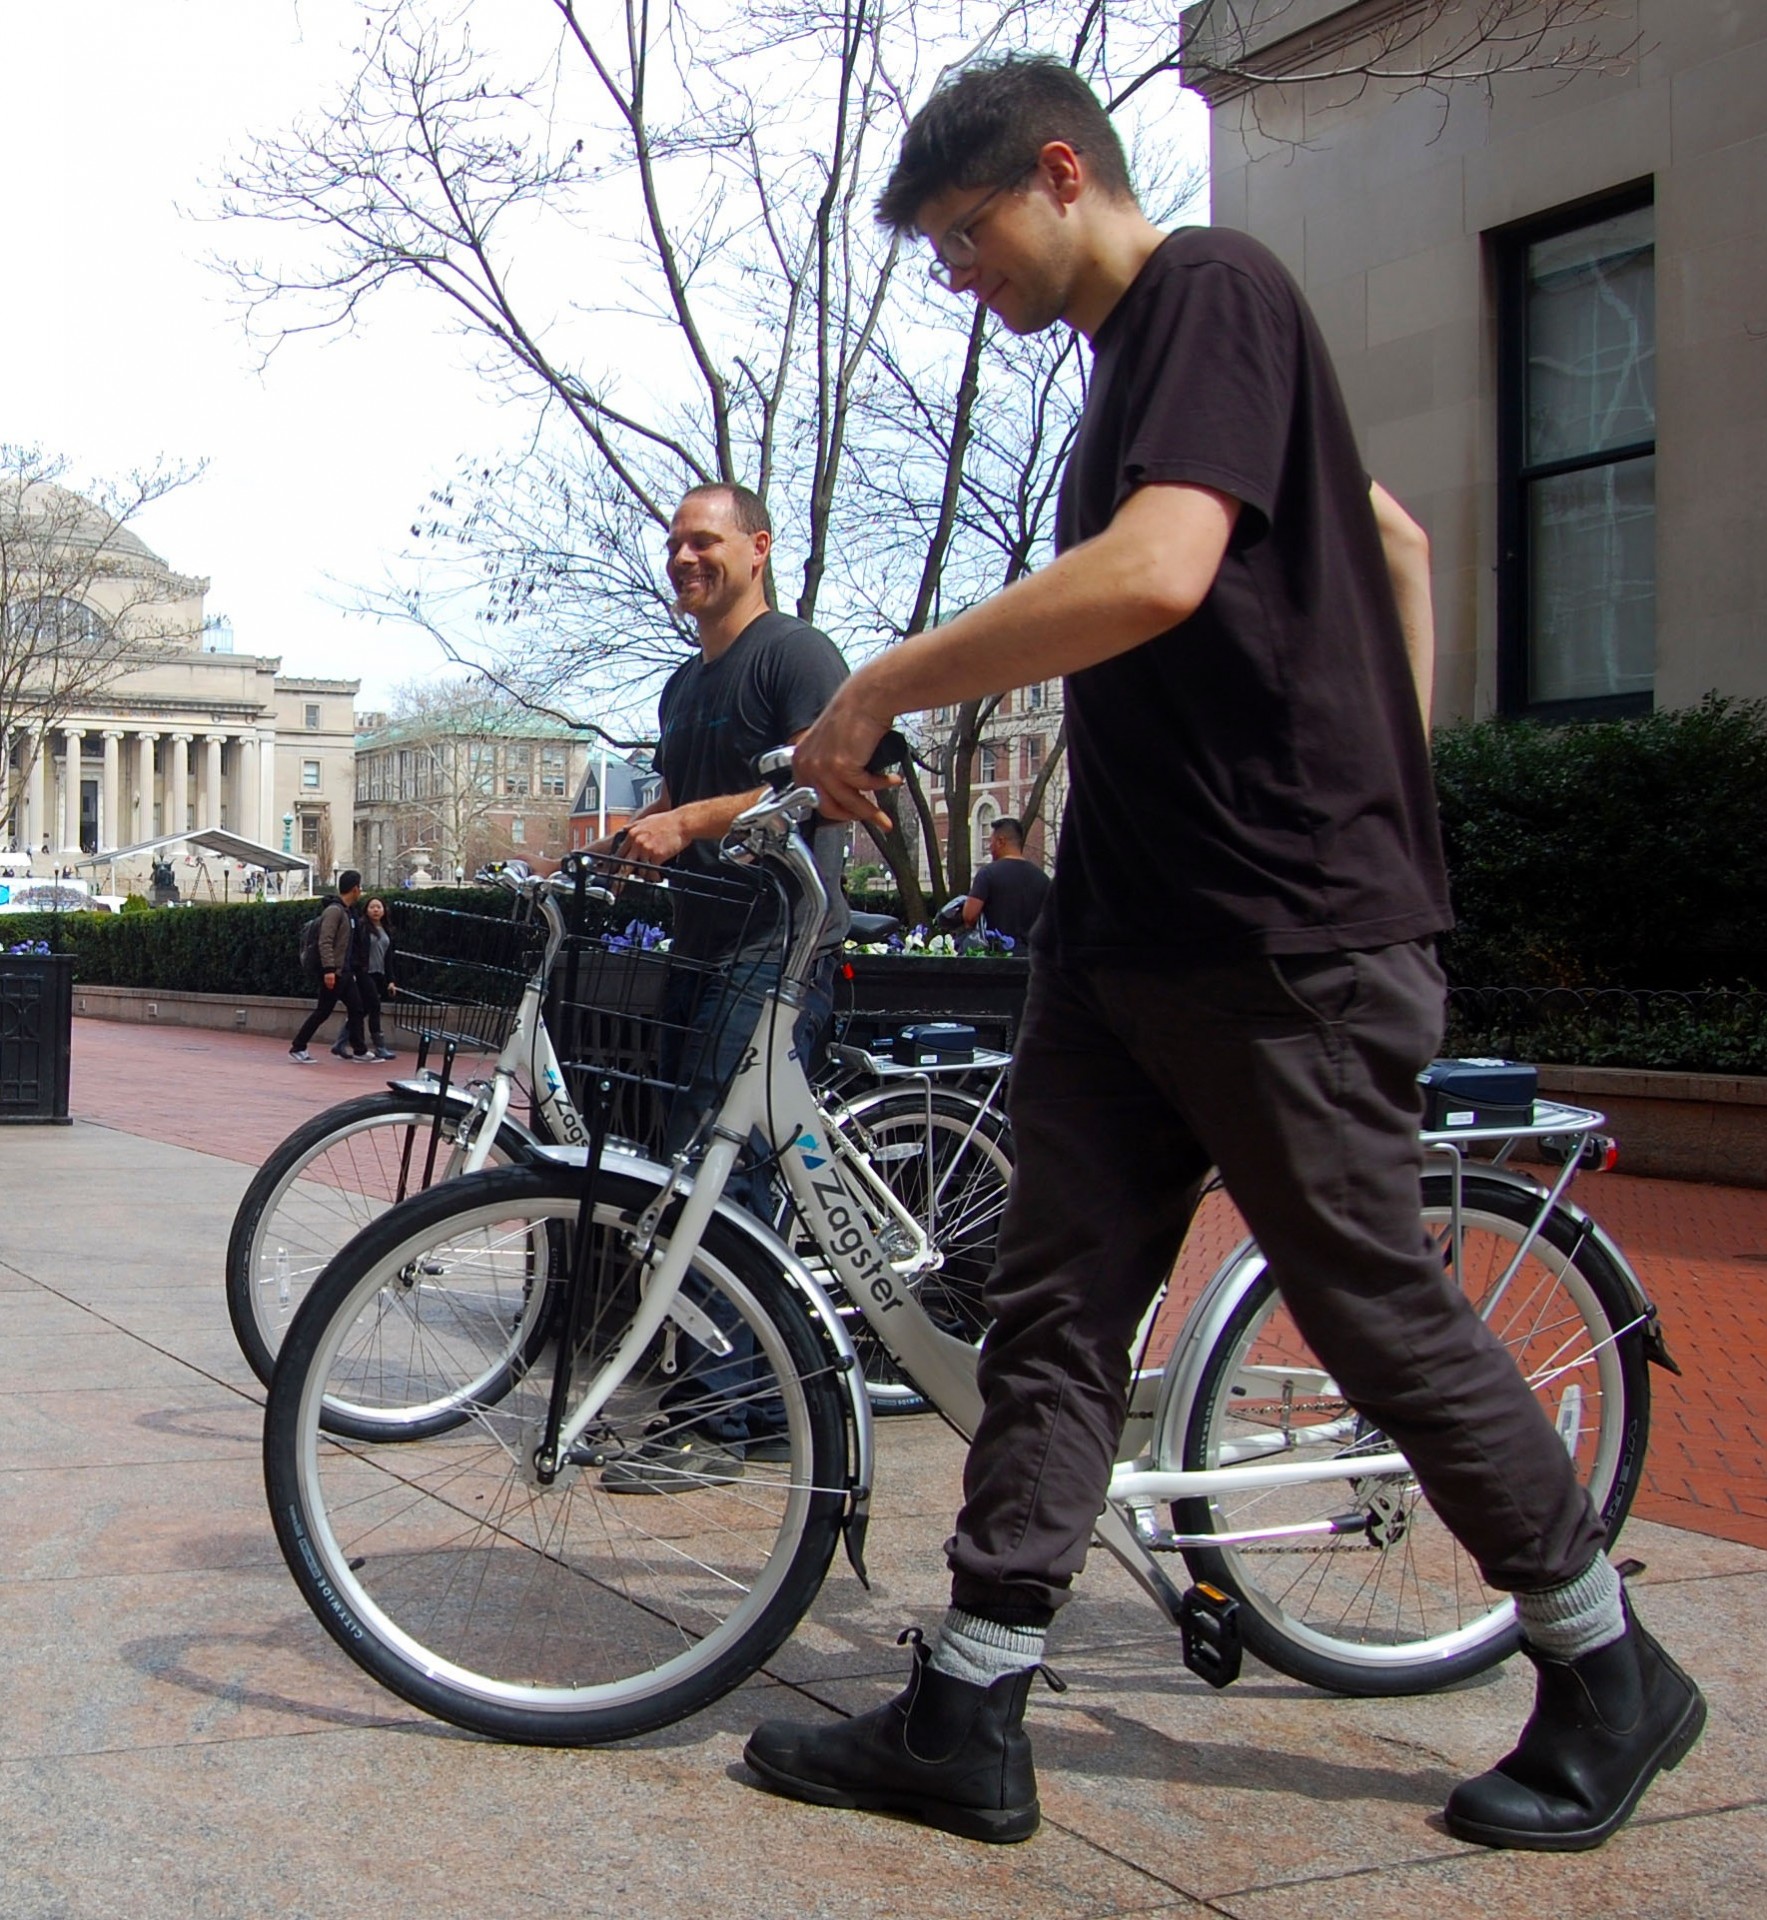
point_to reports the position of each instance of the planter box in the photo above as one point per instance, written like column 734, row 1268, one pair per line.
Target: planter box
column 1676, row 1126
column 36, row 1036
column 273, row 1016
column 886, row 991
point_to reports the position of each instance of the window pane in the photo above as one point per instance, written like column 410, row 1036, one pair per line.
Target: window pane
column 1592, row 338
column 1593, row 540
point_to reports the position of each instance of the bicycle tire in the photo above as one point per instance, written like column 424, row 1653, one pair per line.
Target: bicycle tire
column 566, row 1614
column 966, row 1169
column 1401, row 1608
column 322, row 1185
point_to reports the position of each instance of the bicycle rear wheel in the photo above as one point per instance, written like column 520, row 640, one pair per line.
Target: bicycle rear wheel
column 562, row 1614
column 1395, row 1604
column 322, row 1185
column 949, row 1166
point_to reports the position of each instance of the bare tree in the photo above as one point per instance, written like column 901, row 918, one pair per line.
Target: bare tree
column 83, row 602
column 735, row 315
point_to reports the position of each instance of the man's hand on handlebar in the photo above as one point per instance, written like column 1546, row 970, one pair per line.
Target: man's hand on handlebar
column 834, row 756
column 654, row 840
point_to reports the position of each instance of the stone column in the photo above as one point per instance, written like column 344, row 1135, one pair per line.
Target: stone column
column 178, row 787
column 208, row 804
column 145, row 744
column 269, row 814
column 36, row 812
column 110, row 788
column 246, row 782
column 70, row 789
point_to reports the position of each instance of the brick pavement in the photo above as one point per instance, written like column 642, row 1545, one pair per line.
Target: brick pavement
column 1701, row 1250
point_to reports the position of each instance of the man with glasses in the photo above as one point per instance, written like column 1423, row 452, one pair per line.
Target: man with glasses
column 1235, row 969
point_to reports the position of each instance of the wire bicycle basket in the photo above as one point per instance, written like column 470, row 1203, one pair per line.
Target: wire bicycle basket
column 656, row 995
column 461, row 975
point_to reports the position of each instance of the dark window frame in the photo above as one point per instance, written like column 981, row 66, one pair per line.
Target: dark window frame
column 1515, row 476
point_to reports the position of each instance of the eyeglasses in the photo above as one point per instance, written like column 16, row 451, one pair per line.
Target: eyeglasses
column 954, row 251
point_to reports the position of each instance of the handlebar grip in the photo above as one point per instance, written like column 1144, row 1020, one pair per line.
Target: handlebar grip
column 890, row 754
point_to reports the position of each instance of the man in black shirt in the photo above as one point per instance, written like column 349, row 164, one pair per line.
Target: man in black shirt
column 1235, row 969
column 757, row 681
column 1009, row 892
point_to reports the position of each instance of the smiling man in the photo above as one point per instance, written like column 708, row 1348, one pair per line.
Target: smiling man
column 758, row 679
column 1235, row 969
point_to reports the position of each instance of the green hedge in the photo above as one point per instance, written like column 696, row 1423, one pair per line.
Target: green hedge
column 252, row 947
column 1623, row 853
column 1615, row 854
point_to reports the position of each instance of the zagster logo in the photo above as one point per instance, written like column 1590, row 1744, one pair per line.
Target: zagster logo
column 806, row 1145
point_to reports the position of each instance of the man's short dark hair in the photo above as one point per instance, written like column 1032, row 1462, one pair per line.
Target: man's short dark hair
column 348, row 879
column 1010, row 830
column 992, row 117
column 749, row 508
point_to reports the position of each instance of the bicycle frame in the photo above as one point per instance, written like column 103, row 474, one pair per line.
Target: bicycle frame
column 771, row 1094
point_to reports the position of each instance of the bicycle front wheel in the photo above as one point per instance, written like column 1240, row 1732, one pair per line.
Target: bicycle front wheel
column 324, row 1184
column 588, row 1608
column 1393, row 1604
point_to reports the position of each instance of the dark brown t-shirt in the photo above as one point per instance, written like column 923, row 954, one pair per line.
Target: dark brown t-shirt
column 1255, row 781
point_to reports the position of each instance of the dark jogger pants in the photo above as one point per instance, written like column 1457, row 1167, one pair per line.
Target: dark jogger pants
column 1296, row 1077
column 346, row 994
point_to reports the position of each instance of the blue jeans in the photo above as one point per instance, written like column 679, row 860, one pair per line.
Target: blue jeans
column 718, row 1395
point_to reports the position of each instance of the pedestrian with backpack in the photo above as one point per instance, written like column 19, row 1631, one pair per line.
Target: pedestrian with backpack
column 329, row 955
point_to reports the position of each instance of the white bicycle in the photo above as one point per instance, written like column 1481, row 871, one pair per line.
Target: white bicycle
column 459, row 1541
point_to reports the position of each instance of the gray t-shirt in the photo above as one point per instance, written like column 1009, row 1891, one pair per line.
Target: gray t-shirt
column 716, row 717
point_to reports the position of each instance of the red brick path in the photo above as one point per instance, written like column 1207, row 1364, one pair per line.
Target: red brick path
column 1700, row 1250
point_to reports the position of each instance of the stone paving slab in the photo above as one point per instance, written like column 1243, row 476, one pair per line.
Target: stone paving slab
column 182, row 1739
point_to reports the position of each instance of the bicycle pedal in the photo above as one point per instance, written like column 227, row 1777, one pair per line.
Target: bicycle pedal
column 1208, row 1621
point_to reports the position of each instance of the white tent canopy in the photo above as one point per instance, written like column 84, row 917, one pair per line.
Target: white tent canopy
column 230, row 846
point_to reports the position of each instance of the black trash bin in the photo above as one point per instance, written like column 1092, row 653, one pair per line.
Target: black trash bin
column 36, row 1036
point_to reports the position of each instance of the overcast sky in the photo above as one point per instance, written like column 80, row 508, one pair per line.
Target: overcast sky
column 117, row 343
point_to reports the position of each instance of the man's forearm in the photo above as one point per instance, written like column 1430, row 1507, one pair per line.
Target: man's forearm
column 712, row 819
column 1407, row 550
column 1097, row 600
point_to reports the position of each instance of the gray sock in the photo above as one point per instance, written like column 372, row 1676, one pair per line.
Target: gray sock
column 1564, row 1623
column 967, row 1647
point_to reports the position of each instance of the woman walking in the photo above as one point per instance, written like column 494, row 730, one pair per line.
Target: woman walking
column 379, row 983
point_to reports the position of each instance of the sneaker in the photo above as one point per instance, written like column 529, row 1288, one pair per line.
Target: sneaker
column 342, row 1050
column 359, row 1059
column 679, row 1464
column 386, row 1053
column 300, row 1056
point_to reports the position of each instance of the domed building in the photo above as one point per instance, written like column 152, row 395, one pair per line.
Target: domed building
column 126, row 716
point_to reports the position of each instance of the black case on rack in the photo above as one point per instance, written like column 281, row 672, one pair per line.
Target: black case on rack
column 934, row 1043
column 1477, row 1093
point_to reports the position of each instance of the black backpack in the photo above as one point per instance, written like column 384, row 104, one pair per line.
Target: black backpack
column 310, row 967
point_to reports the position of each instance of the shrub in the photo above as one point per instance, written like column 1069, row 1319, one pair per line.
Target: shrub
column 252, row 947
column 1617, row 853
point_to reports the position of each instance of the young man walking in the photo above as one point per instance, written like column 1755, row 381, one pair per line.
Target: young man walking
column 1235, row 969
column 339, row 960
column 757, row 681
